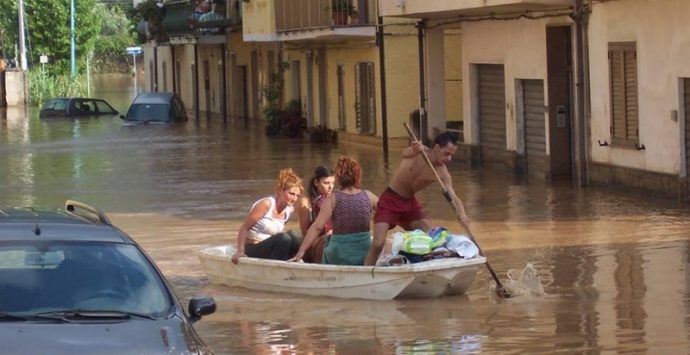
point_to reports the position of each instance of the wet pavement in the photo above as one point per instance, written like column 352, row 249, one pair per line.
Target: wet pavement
column 614, row 263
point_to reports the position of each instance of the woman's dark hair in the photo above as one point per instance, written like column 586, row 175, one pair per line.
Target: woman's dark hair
column 319, row 173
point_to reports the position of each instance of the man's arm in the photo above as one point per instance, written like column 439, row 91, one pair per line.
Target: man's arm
column 461, row 215
column 415, row 148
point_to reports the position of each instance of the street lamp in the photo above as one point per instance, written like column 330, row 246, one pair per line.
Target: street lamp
column 73, row 66
column 134, row 51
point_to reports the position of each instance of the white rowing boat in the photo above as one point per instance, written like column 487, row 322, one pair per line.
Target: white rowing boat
column 434, row 278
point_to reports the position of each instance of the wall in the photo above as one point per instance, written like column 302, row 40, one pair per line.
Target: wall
column 258, row 20
column 663, row 47
column 520, row 45
column 402, row 75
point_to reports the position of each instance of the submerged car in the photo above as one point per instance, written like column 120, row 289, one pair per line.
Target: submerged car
column 76, row 107
column 73, row 283
column 155, row 107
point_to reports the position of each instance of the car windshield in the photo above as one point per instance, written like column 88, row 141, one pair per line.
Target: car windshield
column 55, row 104
column 149, row 112
column 69, row 276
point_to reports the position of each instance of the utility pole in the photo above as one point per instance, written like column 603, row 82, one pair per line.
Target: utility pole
column 73, row 66
column 22, row 40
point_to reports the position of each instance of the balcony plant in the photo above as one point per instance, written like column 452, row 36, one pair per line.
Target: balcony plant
column 340, row 11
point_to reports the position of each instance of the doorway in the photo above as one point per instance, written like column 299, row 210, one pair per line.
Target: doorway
column 207, row 89
column 559, row 72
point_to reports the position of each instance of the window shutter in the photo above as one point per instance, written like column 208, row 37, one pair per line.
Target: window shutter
column 623, row 85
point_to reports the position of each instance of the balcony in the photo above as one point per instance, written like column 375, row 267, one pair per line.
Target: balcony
column 438, row 9
column 183, row 18
column 325, row 19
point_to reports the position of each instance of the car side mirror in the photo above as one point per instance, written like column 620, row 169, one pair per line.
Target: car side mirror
column 201, row 306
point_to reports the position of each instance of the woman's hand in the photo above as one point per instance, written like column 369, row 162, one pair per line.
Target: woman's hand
column 297, row 257
column 236, row 258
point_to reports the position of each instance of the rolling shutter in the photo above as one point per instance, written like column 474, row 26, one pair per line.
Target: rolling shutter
column 492, row 116
column 535, row 127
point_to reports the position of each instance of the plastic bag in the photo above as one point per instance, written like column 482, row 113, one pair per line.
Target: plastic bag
column 462, row 245
column 439, row 237
column 414, row 242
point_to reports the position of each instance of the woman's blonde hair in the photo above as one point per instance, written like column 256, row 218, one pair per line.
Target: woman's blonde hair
column 287, row 179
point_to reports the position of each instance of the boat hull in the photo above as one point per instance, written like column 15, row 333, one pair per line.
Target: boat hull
column 433, row 278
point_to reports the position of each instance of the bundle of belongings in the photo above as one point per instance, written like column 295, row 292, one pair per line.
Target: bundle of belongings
column 416, row 246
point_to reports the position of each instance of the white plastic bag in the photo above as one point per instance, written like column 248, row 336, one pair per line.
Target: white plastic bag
column 462, row 245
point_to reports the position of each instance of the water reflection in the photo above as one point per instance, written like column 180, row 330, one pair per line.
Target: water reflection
column 614, row 264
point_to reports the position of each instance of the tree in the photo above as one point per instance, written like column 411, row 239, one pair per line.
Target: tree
column 116, row 35
column 48, row 27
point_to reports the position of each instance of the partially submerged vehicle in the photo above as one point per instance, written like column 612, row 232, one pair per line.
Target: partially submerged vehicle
column 155, row 107
column 433, row 278
column 76, row 107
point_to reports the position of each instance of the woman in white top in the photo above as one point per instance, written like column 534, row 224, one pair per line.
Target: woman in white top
column 262, row 234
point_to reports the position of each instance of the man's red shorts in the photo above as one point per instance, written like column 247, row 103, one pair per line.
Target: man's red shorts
column 397, row 210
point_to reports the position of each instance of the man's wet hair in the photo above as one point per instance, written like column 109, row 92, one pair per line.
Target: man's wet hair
column 444, row 138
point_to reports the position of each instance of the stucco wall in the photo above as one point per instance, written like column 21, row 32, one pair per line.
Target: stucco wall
column 520, row 45
column 402, row 77
column 349, row 57
column 660, row 30
column 184, row 54
column 453, row 69
column 258, row 21
column 165, row 56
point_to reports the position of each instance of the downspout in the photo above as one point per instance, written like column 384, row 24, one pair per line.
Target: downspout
column 382, row 75
column 196, row 80
column 155, row 68
column 174, row 66
column 579, row 16
column 224, row 74
column 422, row 80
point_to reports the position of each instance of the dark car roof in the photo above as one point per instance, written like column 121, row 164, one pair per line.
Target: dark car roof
column 21, row 223
column 153, row 98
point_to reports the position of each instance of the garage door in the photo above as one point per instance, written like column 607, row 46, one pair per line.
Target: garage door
column 535, row 128
column 492, row 114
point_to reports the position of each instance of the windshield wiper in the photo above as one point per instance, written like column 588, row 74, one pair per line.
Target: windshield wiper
column 11, row 317
column 77, row 314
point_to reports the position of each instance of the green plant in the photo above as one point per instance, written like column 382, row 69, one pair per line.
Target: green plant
column 291, row 120
column 272, row 110
column 43, row 86
column 322, row 134
column 342, row 6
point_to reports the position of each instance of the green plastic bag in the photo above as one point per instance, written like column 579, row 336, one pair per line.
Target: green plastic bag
column 414, row 242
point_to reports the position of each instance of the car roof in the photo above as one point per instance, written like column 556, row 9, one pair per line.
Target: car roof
column 71, row 224
column 153, row 98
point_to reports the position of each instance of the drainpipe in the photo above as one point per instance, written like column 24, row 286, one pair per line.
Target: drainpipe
column 196, row 80
column 382, row 75
column 422, row 80
column 155, row 68
column 580, row 17
column 224, row 75
column 173, row 64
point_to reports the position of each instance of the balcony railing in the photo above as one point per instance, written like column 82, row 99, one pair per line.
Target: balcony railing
column 183, row 18
column 295, row 15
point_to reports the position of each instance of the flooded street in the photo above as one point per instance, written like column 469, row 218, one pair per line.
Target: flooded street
column 614, row 264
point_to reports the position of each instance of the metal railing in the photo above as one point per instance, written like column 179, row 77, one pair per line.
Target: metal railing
column 293, row 15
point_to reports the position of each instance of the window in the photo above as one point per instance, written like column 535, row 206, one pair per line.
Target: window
column 623, row 83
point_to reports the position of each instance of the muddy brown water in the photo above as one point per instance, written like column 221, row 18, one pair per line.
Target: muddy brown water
column 614, row 263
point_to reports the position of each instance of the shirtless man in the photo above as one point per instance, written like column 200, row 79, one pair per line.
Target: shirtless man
column 397, row 204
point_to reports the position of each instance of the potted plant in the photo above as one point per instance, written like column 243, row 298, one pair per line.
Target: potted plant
column 341, row 10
